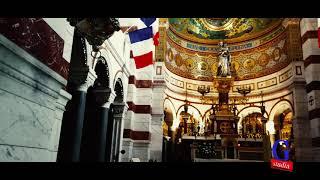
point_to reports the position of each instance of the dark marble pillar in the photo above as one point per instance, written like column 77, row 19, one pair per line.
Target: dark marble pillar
column 94, row 141
column 119, row 111
column 109, row 134
column 72, row 122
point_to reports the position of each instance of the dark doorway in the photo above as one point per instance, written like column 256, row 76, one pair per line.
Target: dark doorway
column 230, row 151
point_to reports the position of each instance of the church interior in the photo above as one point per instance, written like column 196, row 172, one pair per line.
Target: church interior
column 215, row 90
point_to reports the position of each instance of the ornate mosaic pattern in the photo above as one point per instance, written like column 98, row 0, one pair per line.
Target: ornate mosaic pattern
column 211, row 30
column 255, row 85
column 213, row 48
column 265, row 59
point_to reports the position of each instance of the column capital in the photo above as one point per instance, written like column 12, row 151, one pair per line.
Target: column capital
column 119, row 109
column 82, row 78
column 104, row 96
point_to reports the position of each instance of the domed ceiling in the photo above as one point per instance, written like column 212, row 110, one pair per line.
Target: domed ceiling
column 258, row 46
column 231, row 30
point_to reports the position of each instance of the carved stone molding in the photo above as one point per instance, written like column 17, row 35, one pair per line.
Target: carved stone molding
column 95, row 30
column 104, row 96
column 27, row 80
column 79, row 75
column 81, row 79
column 119, row 109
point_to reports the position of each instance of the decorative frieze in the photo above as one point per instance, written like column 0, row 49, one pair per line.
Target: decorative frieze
column 267, row 83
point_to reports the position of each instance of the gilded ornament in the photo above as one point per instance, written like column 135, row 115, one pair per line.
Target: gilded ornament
column 170, row 55
column 235, row 65
column 189, row 64
column 263, row 59
column 276, row 54
column 202, row 66
column 249, row 64
column 178, row 60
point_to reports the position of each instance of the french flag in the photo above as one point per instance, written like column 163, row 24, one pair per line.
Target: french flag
column 143, row 41
column 154, row 23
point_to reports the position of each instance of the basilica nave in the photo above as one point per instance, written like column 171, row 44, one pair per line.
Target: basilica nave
column 159, row 89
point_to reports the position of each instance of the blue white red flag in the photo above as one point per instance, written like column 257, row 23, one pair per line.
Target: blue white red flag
column 143, row 41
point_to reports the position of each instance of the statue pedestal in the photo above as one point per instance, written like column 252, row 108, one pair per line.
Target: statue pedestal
column 223, row 84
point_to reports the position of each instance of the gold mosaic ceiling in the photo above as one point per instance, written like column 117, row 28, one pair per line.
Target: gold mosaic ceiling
column 258, row 46
column 231, row 30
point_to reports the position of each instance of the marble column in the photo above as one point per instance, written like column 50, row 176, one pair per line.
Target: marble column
column 97, row 135
column 72, row 124
column 109, row 134
column 119, row 112
column 80, row 78
column 301, row 124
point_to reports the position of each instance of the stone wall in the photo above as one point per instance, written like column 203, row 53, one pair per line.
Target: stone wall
column 32, row 101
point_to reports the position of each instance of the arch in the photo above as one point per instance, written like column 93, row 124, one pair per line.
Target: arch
column 244, row 109
column 245, row 112
column 192, row 107
column 118, row 75
column 279, row 107
column 282, row 102
column 168, row 106
column 118, row 88
column 168, row 103
column 102, row 72
column 191, row 110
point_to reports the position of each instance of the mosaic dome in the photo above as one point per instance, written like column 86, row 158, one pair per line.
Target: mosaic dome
column 258, row 46
column 231, row 30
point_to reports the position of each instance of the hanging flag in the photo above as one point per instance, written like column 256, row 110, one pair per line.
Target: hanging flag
column 142, row 46
column 148, row 21
column 154, row 23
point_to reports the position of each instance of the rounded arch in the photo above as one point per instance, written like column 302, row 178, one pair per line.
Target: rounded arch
column 191, row 110
column 118, row 88
column 168, row 103
column 245, row 109
column 118, row 75
column 124, row 80
column 245, row 112
column 106, row 55
column 102, row 72
column 278, row 108
column 169, row 112
column 196, row 112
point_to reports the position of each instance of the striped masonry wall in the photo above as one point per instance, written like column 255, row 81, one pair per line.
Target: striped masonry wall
column 311, row 56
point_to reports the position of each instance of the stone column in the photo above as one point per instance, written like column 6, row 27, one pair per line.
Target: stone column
column 301, row 124
column 311, row 57
column 72, row 123
column 78, row 83
column 119, row 112
column 104, row 97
